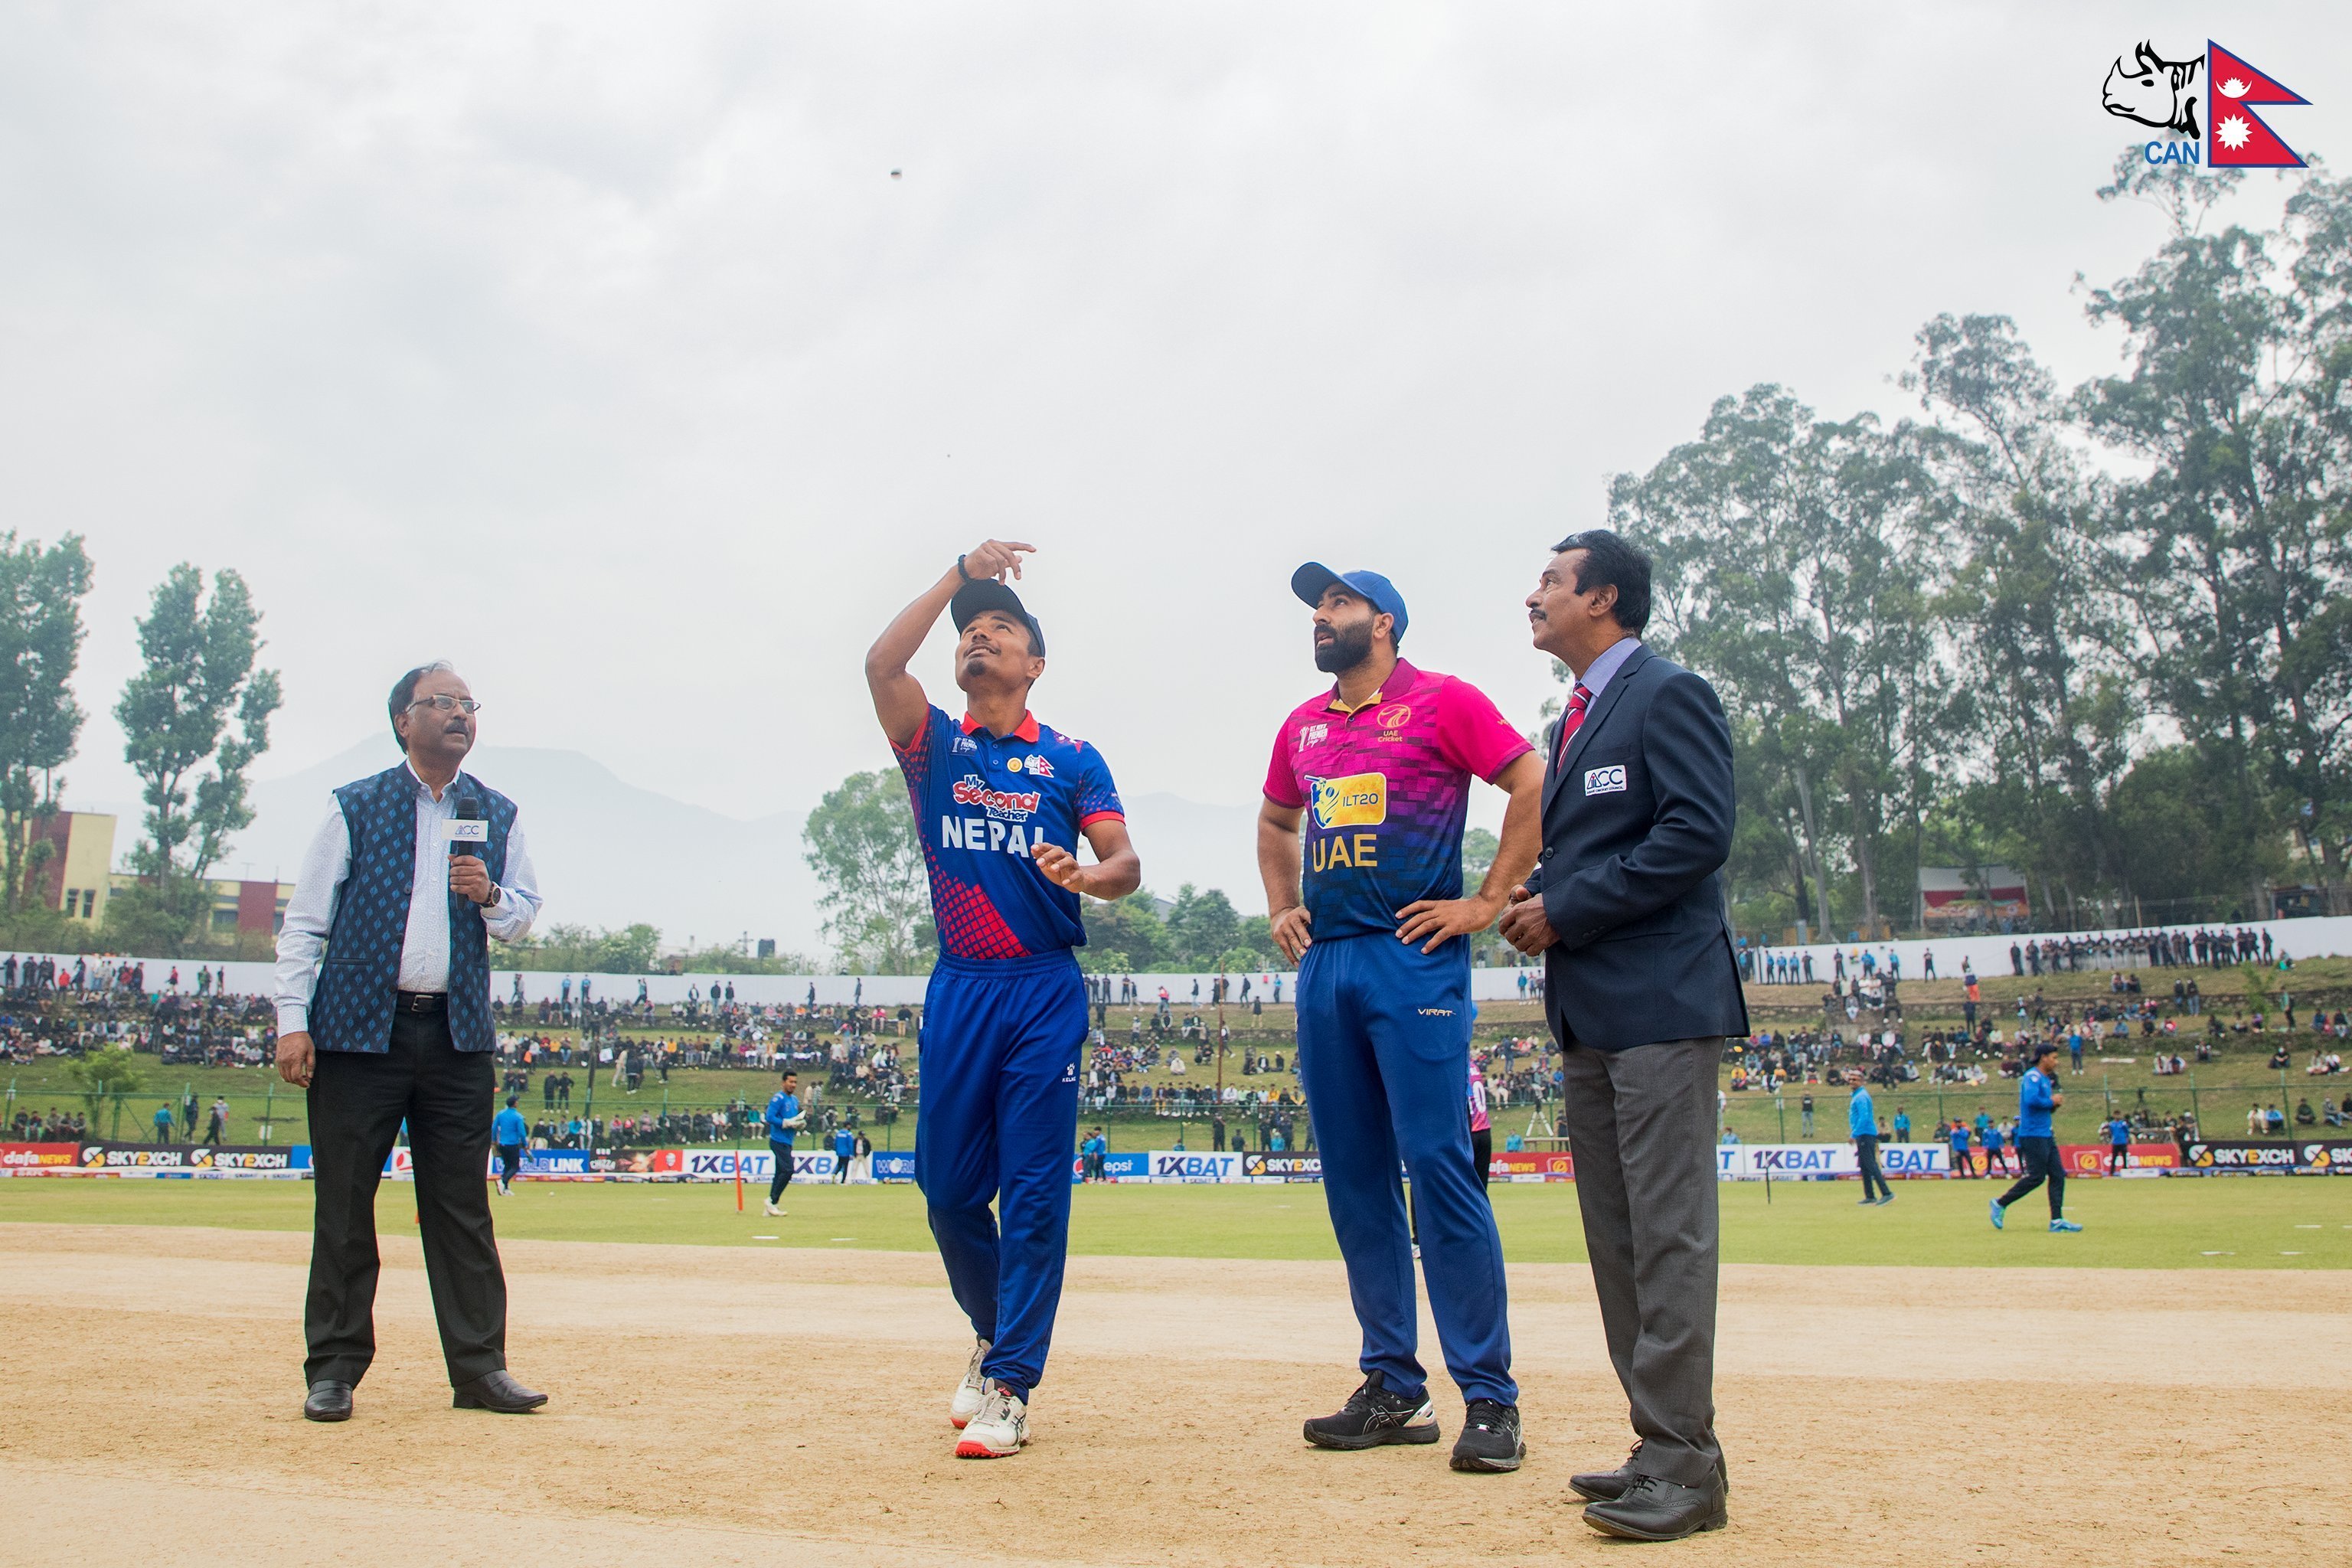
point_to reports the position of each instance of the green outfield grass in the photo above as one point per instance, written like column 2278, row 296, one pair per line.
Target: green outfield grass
column 2224, row 1222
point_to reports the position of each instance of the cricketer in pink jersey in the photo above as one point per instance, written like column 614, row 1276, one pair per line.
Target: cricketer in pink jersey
column 1377, row 770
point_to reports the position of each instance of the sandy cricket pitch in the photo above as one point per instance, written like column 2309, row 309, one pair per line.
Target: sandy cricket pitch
column 723, row 1406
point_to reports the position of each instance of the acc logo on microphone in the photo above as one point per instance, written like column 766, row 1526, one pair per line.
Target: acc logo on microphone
column 1605, row 781
column 469, row 830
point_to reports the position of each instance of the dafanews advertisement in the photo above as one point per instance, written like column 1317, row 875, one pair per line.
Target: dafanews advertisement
column 38, row 1159
column 1532, row 1165
column 2139, row 1160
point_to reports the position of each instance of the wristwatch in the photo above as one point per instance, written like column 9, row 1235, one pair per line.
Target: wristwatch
column 960, row 571
column 497, row 893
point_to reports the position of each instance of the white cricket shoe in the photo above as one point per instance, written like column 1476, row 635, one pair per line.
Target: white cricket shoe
column 970, row 1391
column 999, row 1430
column 771, row 1210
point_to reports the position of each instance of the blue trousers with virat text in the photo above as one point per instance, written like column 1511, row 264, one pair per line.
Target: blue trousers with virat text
column 1385, row 1056
column 998, row 1119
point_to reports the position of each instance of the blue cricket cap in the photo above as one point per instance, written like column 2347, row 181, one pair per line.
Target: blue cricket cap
column 1309, row 580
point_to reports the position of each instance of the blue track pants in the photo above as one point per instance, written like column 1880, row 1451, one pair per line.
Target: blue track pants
column 1385, row 1056
column 998, row 1117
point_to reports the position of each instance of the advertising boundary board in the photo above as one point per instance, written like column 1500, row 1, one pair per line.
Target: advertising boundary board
column 1532, row 1165
column 1826, row 1161
column 1282, row 1167
column 2238, row 1156
column 1182, row 1165
column 2323, row 1157
column 2080, row 1160
column 38, row 1159
column 1135, row 1165
column 758, row 1165
column 205, row 1161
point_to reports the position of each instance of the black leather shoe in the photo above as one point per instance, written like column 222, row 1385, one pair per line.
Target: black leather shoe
column 498, row 1391
column 1653, row 1509
column 329, row 1400
column 1599, row 1485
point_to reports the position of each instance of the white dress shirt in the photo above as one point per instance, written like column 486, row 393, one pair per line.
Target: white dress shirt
column 424, row 950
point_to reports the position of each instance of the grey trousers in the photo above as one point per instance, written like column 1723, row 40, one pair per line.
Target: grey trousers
column 1641, row 1126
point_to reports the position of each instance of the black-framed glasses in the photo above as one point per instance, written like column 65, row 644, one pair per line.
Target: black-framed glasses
column 442, row 702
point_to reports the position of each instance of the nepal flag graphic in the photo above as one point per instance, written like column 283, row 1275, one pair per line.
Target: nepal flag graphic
column 2235, row 135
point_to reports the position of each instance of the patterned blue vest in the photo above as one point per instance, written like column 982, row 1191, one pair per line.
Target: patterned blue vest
column 351, row 1008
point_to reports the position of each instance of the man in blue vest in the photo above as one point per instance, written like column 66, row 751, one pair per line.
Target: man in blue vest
column 410, row 875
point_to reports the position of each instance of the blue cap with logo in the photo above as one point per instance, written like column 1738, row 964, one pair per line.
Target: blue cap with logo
column 1309, row 580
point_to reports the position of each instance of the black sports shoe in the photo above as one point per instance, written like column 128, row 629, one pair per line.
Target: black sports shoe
column 1373, row 1415
column 1490, row 1438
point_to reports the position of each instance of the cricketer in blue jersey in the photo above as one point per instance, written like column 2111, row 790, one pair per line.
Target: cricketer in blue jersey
column 1000, row 802
column 508, row 1134
column 783, row 1117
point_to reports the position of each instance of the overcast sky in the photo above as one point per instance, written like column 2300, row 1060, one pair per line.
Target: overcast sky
column 596, row 348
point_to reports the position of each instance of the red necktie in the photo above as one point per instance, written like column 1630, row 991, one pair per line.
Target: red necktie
column 1571, row 721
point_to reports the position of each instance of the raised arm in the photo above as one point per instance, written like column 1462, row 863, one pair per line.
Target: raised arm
column 899, row 699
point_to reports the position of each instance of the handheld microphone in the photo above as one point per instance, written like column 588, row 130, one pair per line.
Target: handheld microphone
column 471, row 827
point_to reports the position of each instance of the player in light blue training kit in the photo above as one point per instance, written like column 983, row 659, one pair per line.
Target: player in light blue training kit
column 783, row 1117
column 508, row 1134
column 1000, row 802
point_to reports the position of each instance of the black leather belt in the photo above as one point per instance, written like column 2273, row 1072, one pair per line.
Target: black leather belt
column 420, row 1001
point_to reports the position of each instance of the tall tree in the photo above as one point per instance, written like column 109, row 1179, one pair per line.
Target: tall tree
column 2235, row 534
column 2030, row 608
column 1203, row 927
column 860, row 841
column 197, row 672
column 1792, row 559
column 41, row 590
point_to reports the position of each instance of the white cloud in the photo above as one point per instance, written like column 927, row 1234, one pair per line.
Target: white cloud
column 595, row 349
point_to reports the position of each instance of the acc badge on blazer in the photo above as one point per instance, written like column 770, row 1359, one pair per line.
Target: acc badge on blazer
column 1605, row 781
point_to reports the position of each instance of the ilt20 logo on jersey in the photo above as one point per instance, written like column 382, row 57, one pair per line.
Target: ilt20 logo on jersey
column 1358, row 800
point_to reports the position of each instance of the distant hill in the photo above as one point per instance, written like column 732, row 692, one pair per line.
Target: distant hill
column 609, row 853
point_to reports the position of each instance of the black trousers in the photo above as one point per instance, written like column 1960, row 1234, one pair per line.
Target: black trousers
column 357, row 1103
column 1482, row 1149
column 780, row 1176
column 2042, row 1163
column 1873, row 1180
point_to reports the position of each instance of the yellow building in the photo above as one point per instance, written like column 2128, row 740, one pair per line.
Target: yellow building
column 77, row 876
column 239, row 909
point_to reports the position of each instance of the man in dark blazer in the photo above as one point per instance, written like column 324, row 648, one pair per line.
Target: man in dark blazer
column 1640, row 989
